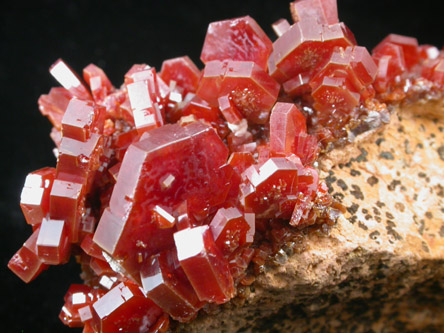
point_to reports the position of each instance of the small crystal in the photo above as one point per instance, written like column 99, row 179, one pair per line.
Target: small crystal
column 204, row 264
column 124, row 308
column 53, row 245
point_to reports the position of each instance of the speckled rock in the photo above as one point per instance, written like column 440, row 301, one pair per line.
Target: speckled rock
column 381, row 268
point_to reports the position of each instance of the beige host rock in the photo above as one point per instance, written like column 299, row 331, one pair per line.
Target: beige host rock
column 381, row 268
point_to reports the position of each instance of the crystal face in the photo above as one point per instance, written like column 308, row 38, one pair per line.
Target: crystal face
column 236, row 39
column 176, row 189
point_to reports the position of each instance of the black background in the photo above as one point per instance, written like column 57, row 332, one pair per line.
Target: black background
column 114, row 35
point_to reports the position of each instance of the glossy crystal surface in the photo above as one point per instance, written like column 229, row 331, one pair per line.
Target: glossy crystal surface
column 34, row 199
column 236, row 39
column 204, row 265
column 124, row 308
column 165, row 282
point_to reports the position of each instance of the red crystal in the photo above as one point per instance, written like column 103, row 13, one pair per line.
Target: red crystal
column 324, row 11
column 69, row 80
column 297, row 86
column 409, row 46
column 81, row 119
column 229, row 110
column 204, row 264
column 231, row 229
column 286, row 122
column 162, row 218
column 77, row 297
column 236, row 39
column 145, row 110
column 66, row 203
column 124, row 308
column 54, row 105
column 276, row 178
column 149, row 176
column 34, row 199
column 91, row 248
column 53, row 245
column 354, row 64
column 280, row 27
column 252, row 91
column 335, row 93
column 306, row 47
column 397, row 61
column 166, row 285
column 183, row 71
column 25, row 263
column 97, row 80
column 433, row 70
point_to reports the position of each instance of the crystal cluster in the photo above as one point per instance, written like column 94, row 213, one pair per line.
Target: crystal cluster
column 174, row 190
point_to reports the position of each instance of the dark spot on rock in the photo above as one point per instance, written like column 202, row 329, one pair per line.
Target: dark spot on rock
column 389, row 215
column 339, row 196
column 348, row 164
column 365, row 210
column 425, row 247
column 441, row 231
column 376, row 211
column 362, row 226
column 427, row 179
column 367, row 216
column 372, row 180
column 432, row 135
column 391, row 224
column 421, row 175
column 378, row 219
column 441, row 152
column 353, row 208
column 353, row 219
column 341, row 165
column 421, row 227
column 393, row 184
column 393, row 232
column 440, row 190
column 398, row 173
column 400, row 206
column 415, row 197
column 441, row 129
column 342, row 184
column 356, row 192
column 386, row 155
column 380, row 204
column 354, row 172
column 374, row 234
column 407, row 148
column 362, row 157
column 429, row 215
column 403, row 188
column 330, row 188
column 330, row 179
column 379, row 140
column 401, row 129
column 420, row 146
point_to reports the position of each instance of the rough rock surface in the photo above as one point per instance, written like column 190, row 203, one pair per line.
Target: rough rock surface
column 381, row 268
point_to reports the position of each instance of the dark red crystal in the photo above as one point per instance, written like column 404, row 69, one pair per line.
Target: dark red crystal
column 204, row 264
column 124, row 308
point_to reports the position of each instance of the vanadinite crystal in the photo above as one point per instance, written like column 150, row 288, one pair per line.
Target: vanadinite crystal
column 175, row 188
